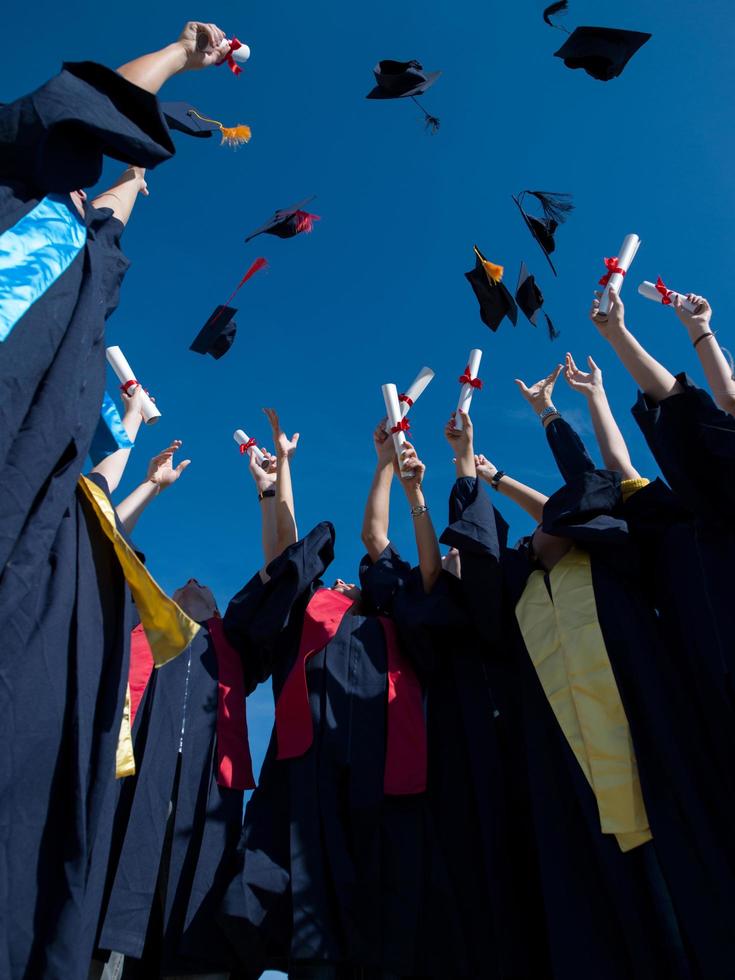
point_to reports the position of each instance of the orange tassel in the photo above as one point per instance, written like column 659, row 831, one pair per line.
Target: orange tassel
column 494, row 272
column 235, row 135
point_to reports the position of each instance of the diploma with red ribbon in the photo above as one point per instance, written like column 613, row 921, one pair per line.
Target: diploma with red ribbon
column 398, row 425
column 414, row 391
column 238, row 54
column 124, row 372
column 658, row 292
column 246, row 445
column 470, row 384
column 616, row 270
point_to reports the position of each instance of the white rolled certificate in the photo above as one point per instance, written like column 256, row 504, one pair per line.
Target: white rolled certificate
column 659, row 294
column 414, row 391
column 124, row 372
column 242, row 439
column 623, row 261
column 241, row 54
column 468, row 388
column 395, row 421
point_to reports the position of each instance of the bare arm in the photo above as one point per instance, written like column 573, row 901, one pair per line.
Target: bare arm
column 715, row 365
column 652, row 378
column 113, row 466
column 264, row 476
column 123, row 194
column 609, row 437
column 427, row 544
column 199, row 46
column 376, row 520
column 161, row 475
column 286, row 530
column 526, row 497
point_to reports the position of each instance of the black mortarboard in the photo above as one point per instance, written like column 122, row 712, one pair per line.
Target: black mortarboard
column 556, row 207
column 494, row 299
column 404, row 80
column 603, row 52
column 400, row 80
column 218, row 333
column 288, row 222
column 181, row 117
column 530, row 299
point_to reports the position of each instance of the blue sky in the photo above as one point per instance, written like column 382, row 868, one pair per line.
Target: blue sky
column 377, row 290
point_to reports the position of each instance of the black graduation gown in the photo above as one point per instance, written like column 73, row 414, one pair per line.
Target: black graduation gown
column 173, row 825
column 610, row 914
column 693, row 442
column 476, row 783
column 63, row 666
column 667, row 536
column 330, row 869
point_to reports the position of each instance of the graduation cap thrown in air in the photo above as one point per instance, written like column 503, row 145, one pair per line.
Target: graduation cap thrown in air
column 603, row 52
column 184, row 118
column 404, row 80
column 218, row 333
column 288, row 222
column 530, row 299
column 494, row 298
column 555, row 207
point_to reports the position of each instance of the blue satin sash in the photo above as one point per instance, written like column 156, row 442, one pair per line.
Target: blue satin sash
column 110, row 434
column 34, row 253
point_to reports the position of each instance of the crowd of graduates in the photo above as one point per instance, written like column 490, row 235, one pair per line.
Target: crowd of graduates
column 510, row 762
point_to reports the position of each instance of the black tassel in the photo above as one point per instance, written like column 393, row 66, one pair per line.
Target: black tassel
column 553, row 332
column 432, row 123
column 556, row 8
column 556, row 205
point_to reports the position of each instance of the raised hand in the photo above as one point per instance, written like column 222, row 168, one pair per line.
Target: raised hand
column 383, row 444
column 696, row 323
column 459, row 439
column 133, row 401
column 485, row 469
column 285, row 447
column 612, row 324
column 161, row 470
column 203, row 44
column 588, row 383
column 413, row 469
column 539, row 395
column 263, row 473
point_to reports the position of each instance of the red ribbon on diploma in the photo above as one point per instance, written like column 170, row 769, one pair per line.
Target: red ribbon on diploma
column 403, row 426
column 467, row 379
column 244, row 446
column 128, row 385
column 665, row 293
column 229, row 60
column 406, row 399
column 612, row 267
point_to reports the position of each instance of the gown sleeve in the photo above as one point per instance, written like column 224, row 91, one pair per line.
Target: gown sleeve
column 431, row 626
column 106, row 229
column 259, row 615
column 381, row 580
column 568, row 450
column 55, row 139
column 693, row 441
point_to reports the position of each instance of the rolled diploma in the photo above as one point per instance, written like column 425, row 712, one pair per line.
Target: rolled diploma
column 415, row 390
column 393, row 411
column 631, row 244
column 466, row 391
column 649, row 291
column 124, row 372
column 242, row 54
column 242, row 439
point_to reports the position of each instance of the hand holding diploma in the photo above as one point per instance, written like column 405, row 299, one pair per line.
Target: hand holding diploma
column 127, row 379
column 247, row 445
column 617, row 269
column 658, row 292
column 470, row 383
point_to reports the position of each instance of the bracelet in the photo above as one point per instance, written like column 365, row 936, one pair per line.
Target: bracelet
column 270, row 492
column 418, row 510
column 707, row 333
column 496, row 478
column 547, row 413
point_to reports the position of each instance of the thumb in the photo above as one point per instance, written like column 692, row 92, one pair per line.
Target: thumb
column 591, row 363
column 182, row 465
column 295, row 438
column 520, row 384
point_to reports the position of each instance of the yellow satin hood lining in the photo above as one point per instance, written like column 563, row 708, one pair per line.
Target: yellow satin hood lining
column 629, row 487
column 566, row 646
column 168, row 629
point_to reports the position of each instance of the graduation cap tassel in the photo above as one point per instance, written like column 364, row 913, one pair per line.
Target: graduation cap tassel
column 553, row 332
column 231, row 135
column 432, row 122
column 556, row 206
column 556, row 8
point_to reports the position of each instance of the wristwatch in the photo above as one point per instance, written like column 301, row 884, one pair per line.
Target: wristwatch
column 547, row 413
column 496, row 478
column 270, row 492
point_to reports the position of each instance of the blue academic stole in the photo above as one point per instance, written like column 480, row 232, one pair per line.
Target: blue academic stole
column 34, row 253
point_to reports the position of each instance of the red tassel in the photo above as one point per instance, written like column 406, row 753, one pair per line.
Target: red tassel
column 255, row 267
column 305, row 221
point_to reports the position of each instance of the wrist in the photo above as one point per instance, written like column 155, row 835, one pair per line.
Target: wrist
column 153, row 487
column 415, row 495
column 178, row 55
